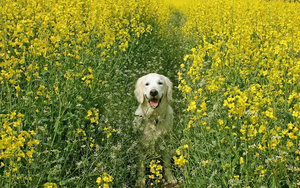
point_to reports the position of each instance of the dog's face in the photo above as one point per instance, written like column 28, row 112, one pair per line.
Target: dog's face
column 153, row 88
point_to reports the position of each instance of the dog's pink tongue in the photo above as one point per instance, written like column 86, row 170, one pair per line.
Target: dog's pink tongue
column 154, row 103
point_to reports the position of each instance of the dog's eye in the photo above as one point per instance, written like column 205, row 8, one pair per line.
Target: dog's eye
column 146, row 84
column 160, row 83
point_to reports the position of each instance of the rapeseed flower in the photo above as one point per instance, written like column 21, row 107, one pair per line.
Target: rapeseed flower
column 50, row 185
column 156, row 172
column 15, row 144
column 181, row 161
column 104, row 180
column 247, row 74
column 182, row 155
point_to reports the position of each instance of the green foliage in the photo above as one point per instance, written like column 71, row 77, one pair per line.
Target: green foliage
column 68, row 71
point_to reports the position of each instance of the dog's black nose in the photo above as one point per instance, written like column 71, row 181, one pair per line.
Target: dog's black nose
column 153, row 92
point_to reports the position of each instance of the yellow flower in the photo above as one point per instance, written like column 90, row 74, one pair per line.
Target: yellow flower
column 190, row 123
column 99, row 180
column 50, row 185
column 205, row 162
column 29, row 153
column 17, row 87
column 185, row 58
column 221, row 122
column 106, row 178
column 262, row 173
column 192, row 106
column 242, row 160
column 180, row 161
column 31, row 132
column 93, row 115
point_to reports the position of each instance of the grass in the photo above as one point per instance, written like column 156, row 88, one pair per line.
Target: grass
column 68, row 75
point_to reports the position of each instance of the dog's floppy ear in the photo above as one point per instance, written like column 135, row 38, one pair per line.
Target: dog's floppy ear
column 169, row 89
column 139, row 94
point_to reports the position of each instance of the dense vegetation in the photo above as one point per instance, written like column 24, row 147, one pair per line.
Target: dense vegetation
column 68, row 70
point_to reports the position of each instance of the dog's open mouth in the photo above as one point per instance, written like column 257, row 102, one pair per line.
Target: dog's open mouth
column 154, row 103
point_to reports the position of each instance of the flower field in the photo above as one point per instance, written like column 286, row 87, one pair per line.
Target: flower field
column 68, row 70
column 242, row 85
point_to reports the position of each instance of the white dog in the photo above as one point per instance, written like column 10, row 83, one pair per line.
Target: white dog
column 153, row 121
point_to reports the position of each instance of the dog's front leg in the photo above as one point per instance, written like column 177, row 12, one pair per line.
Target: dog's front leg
column 167, row 167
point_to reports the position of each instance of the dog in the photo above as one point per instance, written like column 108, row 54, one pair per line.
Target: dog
column 153, row 122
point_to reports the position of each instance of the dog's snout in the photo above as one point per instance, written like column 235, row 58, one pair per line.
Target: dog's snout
column 153, row 92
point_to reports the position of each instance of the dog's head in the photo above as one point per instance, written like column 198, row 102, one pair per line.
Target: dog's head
column 153, row 88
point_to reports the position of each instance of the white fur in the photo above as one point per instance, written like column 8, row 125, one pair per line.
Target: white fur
column 153, row 124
